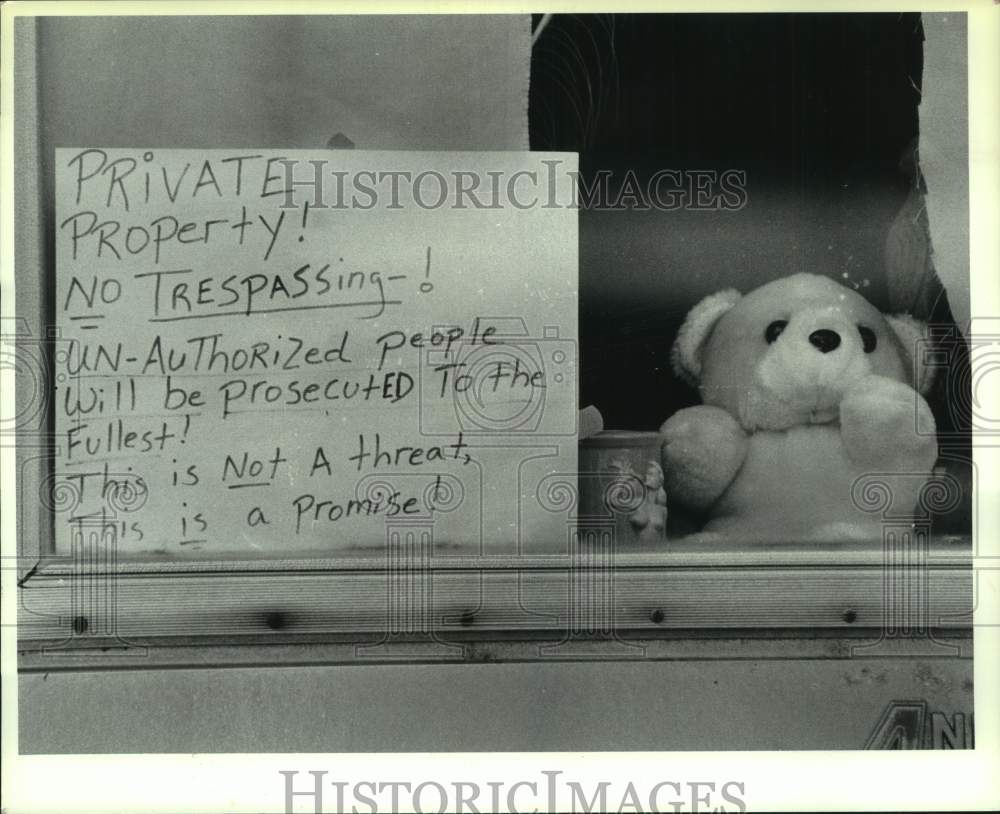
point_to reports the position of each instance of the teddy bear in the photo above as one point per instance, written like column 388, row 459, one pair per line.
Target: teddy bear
column 807, row 391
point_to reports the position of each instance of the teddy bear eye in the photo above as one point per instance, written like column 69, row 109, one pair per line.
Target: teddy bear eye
column 774, row 330
column 868, row 338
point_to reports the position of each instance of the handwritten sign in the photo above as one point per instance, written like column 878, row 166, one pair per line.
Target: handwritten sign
column 304, row 352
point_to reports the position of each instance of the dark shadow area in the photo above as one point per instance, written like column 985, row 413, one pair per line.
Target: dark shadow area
column 820, row 111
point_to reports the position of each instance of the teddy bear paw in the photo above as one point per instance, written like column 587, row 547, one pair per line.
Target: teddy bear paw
column 703, row 448
column 887, row 422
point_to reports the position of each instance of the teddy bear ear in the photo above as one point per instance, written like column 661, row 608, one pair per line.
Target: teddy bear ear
column 694, row 332
column 913, row 336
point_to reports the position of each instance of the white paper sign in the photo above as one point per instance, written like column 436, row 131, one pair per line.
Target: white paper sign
column 298, row 351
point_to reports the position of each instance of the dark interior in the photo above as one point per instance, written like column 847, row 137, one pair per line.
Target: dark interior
column 819, row 110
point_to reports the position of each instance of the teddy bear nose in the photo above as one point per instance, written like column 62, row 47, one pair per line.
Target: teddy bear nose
column 825, row 340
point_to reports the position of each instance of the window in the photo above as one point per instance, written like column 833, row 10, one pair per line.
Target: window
column 793, row 149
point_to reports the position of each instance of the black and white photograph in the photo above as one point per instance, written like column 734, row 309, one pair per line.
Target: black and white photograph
column 596, row 402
